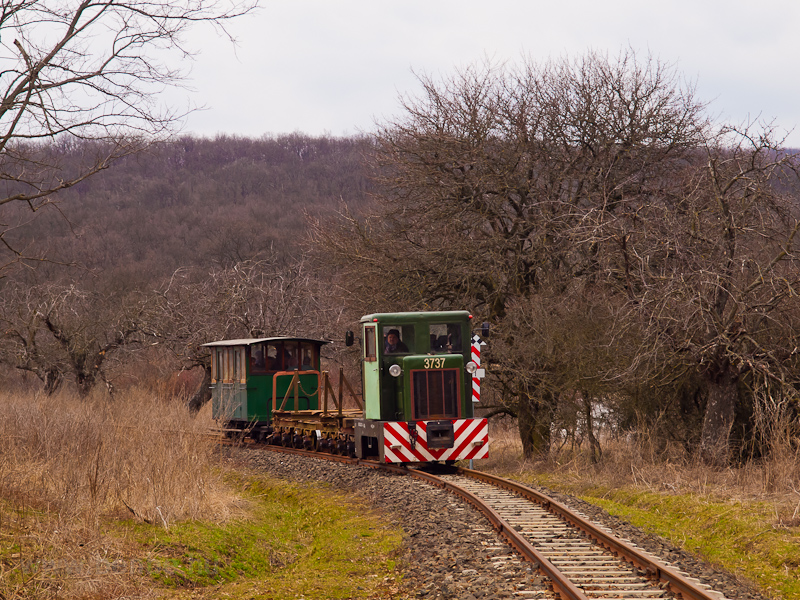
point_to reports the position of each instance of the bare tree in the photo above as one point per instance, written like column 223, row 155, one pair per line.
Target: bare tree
column 623, row 245
column 24, row 345
column 712, row 277
column 487, row 180
column 251, row 299
column 56, row 331
column 88, row 71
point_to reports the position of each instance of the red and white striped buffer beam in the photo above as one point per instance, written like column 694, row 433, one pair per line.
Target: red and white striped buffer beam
column 471, row 441
column 479, row 373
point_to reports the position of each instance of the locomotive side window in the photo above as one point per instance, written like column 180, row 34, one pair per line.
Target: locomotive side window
column 435, row 394
column 370, row 350
column 446, row 338
column 397, row 339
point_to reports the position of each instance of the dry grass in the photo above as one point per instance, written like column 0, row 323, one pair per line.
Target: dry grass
column 70, row 464
column 639, row 463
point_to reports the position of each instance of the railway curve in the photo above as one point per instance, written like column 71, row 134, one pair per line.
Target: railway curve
column 583, row 560
column 451, row 552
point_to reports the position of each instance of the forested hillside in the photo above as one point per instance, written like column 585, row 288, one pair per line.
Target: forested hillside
column 168, row 249
column 196, row 202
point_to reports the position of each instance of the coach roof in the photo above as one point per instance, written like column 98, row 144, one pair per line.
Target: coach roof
column 251, row 341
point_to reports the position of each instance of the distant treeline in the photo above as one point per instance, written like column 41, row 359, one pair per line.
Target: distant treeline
column 194, row 202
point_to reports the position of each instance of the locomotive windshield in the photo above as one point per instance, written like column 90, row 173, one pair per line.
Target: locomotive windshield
column 446, row 338
column 398, row 339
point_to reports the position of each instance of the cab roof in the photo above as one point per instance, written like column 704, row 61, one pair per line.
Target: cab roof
column 251, row 341
column 412, row 317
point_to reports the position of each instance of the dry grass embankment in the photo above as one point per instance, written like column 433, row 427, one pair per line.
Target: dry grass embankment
column 129, row 498
column 69, row 466
column 745, row 519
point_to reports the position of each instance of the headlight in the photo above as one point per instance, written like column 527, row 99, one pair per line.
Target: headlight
column 395, row 370
column 471, row 367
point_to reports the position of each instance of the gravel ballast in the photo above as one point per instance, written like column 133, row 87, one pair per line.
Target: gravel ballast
column 449, row 550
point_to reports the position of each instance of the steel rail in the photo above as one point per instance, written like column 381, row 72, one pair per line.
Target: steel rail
column 677, row 583
column 561, row 584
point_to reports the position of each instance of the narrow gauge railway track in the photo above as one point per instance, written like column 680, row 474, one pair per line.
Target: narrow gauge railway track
column 581, row 559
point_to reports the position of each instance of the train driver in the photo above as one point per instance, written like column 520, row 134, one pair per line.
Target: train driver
column 394, row 345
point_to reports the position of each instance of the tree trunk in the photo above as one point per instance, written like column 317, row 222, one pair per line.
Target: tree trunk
column 85, row 382
column 718, row 420
column 203, row 392
column 52, row 380
column 533, row 421
column 594, row 445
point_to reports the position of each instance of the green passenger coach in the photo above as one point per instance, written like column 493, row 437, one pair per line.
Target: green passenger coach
column 247, row 374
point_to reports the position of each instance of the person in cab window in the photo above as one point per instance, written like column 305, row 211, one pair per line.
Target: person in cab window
column 394, row 345
column 259, row 362
column 273, row 358
column 454, row 338
column 435, row 345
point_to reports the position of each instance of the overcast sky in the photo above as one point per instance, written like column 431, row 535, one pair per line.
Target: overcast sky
column 333, row 67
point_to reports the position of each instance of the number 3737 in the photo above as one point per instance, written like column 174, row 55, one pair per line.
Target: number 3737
column 433, row 363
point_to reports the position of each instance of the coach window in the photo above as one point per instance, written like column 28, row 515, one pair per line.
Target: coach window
column 308, row 357
column 370, row 353
column 290, row 361
column 446, row 338
column 258, row 358
column 218, row 364
column 227, row 366
column 273, row 357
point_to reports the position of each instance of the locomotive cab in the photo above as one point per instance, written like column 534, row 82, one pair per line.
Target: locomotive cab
column 418, row 380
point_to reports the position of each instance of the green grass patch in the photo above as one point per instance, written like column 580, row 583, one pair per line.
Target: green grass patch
column 742, row 537
column 309, row 542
